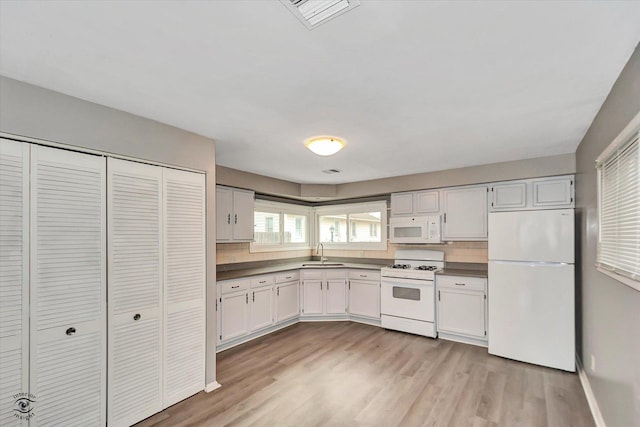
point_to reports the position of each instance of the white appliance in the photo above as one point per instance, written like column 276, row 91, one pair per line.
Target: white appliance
column 407, row 298
column 531, row 287
column 418, row 229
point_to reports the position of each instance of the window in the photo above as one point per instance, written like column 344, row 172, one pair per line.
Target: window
column 353, row 226
column 619, row 209
column 279, row 226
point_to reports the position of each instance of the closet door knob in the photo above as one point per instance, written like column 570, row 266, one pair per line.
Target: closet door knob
column 71, row 331
column 137, row 316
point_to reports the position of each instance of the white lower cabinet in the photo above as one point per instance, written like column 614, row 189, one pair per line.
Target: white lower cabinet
column 287, row 296
column 364, row 293
column 462, row 305
column 261, row 308
column 233, row 309
column 324, row 292
column 249, row 305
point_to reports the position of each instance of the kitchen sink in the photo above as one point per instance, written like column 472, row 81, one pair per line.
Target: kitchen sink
column 326, row 264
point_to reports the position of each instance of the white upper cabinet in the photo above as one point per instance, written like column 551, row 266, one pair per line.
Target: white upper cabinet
column 415, row 203
column 234, row 215
column 555, row 192
column 509, row 195
column 465, row 213
column 426, row 202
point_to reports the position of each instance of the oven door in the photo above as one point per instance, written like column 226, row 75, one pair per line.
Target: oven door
column 408, row 298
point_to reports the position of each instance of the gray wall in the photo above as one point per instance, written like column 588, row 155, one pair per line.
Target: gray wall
column 35, row 112
column 608, row 311
column 517, row 169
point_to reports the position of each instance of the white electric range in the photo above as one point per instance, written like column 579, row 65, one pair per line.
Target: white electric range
column 407, row 298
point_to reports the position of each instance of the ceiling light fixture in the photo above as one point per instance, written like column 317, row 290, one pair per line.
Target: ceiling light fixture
column 325, row 145
column 312, row 13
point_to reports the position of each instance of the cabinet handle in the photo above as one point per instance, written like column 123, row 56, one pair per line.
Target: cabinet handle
column 228, row 218
column 236, row 286
column 445, row 217
column 71, row 331
column 246, row 298
column 461, row 284
column 137, row 316
column 254, row 296
column 262, row 281
column 278, row 291
column 235, row 219
column 438, row 295
column 363, row 275
column 288, row 277
column 320, row 285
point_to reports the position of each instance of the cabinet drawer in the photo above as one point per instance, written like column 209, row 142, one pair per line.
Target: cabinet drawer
column 234, row 286
column 261, row 281
column 364, row 275
column 288, row 276
column 462, row 282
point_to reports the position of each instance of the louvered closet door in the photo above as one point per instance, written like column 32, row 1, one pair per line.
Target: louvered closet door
column 14, row 278
column 184, row 354
column 67, row 287
column 135, row 285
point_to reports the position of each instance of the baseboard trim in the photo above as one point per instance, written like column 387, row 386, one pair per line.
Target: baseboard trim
column 212, row 386
column 588, row 392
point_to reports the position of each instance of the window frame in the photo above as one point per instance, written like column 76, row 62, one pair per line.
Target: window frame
column 283, row 209
column 630, row 133
column 348, row 209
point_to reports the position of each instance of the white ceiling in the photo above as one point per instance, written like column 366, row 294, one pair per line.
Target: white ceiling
column 414, row 86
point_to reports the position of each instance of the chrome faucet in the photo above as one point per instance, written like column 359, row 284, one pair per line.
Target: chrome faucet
column 322, row 258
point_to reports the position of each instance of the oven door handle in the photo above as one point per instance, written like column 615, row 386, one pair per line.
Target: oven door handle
column 393, row 281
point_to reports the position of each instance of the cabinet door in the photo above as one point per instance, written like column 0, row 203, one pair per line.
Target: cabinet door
column 553, row 192
column 427, row 202
column 224, row 212
column 135, row 286
column 312, row 297
column 261, row 308
column 401, row 204
column 509, row 196
column 336, row 296
column 364, row 298
column 287, row 301
column 461, row 312
column 465, row 214
column 68, row 295
column 234, row 314
column 14, row 276
column 242, row 219
column 184, row 285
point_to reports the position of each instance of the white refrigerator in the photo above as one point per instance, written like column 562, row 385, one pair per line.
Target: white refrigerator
column 531, row 287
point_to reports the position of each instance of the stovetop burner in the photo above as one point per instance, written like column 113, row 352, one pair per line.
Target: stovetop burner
column 427, row 267
column 401, row 266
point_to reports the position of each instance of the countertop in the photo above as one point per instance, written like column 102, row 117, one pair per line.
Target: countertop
column 248, row 272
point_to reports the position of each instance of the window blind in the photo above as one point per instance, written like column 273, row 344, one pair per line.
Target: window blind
column 619, row 209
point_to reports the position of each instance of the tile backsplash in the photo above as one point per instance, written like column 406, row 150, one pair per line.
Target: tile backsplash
column 468, row 252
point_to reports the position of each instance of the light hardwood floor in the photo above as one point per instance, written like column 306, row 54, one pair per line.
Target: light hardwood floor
column 350, row 374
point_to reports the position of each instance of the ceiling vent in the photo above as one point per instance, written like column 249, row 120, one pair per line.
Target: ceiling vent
column 331, row 171
column 313, row 13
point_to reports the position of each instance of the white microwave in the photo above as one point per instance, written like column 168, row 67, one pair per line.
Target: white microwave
column 418, row 229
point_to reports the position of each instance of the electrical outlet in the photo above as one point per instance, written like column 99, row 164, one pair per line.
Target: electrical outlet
column 593, row 363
